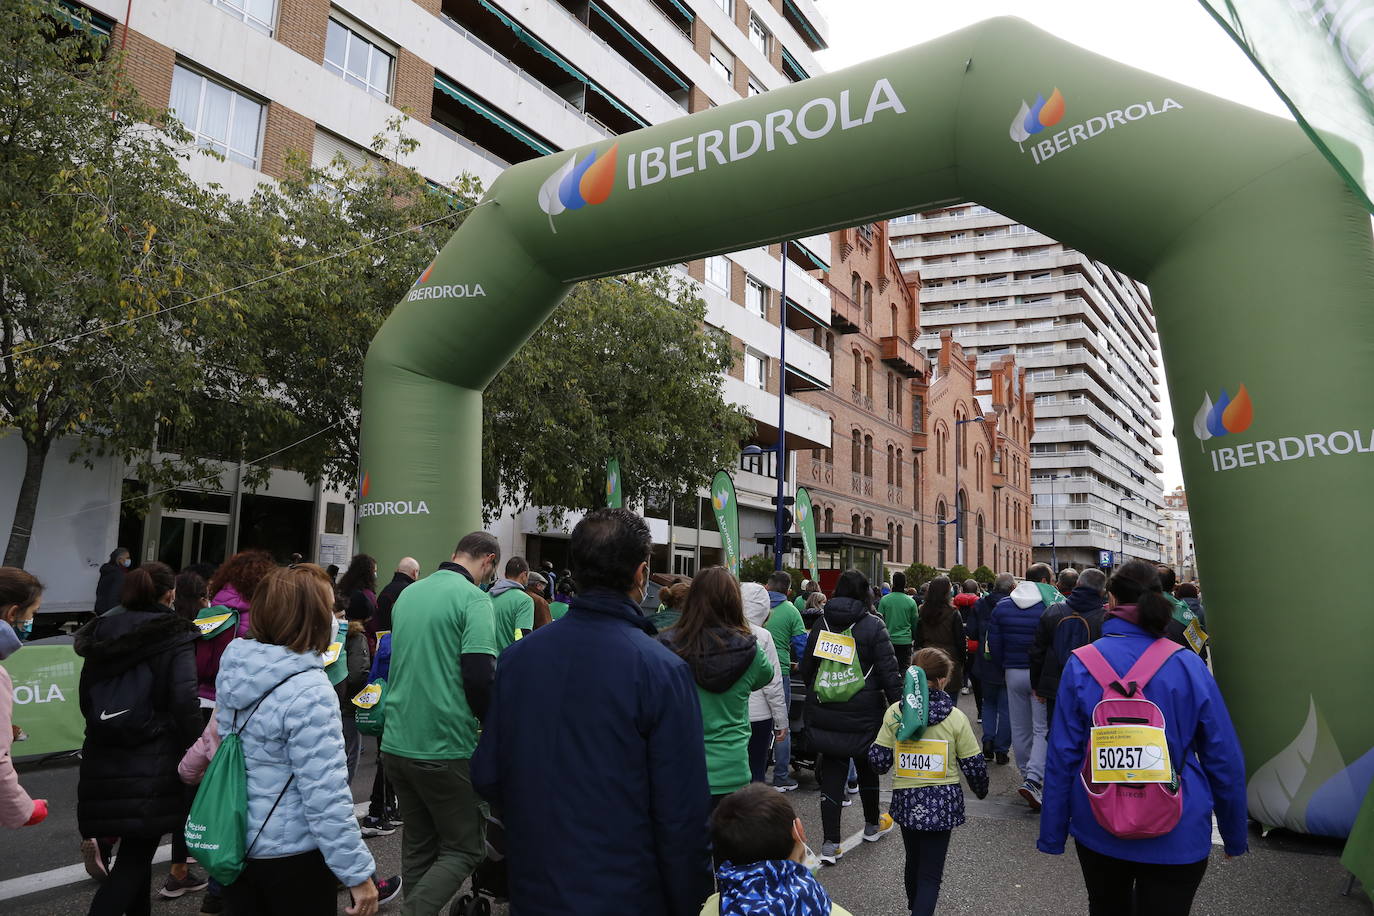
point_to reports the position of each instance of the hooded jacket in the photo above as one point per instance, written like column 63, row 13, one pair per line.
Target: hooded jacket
column 129, row 787
column 1053, row 642
column 976, row 628
column 848, row 728
column 768, row 702
column 633, row 809
column 290, row 730
column 1011, row 631
column 208, row 651
column 16, row 807
column 774, row 887
column 1203, row 748
column 935, row 805
column 108, row 588
column 735, row 666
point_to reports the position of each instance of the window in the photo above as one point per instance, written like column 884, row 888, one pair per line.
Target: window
column 868, row 456
column 896, row 331
column 890, row 455
column 755, row 369
column 891, row 539
column 855, row 284
column 722, row 62
column 899, row 543
column 755, row 87
column 718, row 273
column 220, row 118
column 358, row 59
column 829, row 519
column 868, row 303
column 941, row 526
column 854, row 525
column 759, row 37
column 756, row 297
column 257, row 13
column 868, row 527
column 856, row 455
column 891, row 392
column 728, row 6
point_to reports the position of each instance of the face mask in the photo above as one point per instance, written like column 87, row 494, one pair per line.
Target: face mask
column 125, row 562
column 25, row 629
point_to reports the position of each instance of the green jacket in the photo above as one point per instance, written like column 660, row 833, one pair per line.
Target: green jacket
column 899, row 610
column 513, row 609
column 784, row 622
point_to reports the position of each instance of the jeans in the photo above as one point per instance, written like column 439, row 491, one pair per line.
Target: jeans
column 925, row 868
column 1028, row 725
column 834, row 771
column 760, row 741
column 444, row 836
column 1118, row 887
column 782, row 750
column 127, row 889
column 299, row 885
column 996, row 722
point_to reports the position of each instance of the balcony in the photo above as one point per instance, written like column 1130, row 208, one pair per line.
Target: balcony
column 845, row 315
column 899, row 354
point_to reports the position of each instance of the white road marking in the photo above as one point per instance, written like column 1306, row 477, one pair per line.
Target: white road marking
column 72, row 874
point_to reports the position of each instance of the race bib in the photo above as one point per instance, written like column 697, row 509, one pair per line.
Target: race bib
column 922, row 759
column 208, row 625
column 835, row 646
column 368, row 696
column 1129, row 753
column 1196, row 636
column 331, row 655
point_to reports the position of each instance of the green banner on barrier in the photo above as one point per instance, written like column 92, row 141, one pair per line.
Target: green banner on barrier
column 806, row 524
column 727, row 519
column 615, row 493
column 46, row 705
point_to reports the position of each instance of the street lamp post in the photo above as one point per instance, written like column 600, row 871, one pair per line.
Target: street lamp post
column 958, row 504
column 779, row 449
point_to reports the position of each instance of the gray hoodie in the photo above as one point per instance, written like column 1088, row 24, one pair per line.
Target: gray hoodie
column 768, row 701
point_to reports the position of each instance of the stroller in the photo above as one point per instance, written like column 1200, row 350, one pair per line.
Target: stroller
column 803, row 755
column 488, row 879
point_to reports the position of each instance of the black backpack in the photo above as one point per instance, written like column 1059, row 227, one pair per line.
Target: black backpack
column 122, row 711
column 1071, row 632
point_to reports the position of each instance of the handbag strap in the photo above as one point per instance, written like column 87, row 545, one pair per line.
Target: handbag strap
column 263, row 825
column 289, row 779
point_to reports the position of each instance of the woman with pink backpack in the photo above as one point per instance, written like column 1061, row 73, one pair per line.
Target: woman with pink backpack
column 1141, row 752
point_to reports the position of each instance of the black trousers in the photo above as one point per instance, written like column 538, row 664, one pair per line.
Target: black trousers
column 1119, row 887
column 383, row 799
column 834, row 774
column 760, row 743
column 127, row 891
column 299, row 885
column 925, row 868
column 903, row 653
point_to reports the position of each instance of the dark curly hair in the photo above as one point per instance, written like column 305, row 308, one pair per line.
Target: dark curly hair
column 244, row 570
column 608, row 545
column 361, row 573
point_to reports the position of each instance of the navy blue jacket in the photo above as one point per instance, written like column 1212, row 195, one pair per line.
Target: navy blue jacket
column 976, row 627
column 1011, row 632
column 592, row 753
column 1202, row 746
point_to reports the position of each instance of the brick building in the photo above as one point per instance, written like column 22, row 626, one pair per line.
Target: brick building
column 905, row 428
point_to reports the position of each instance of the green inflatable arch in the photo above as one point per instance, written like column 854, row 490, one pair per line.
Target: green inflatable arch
column 1257, row 256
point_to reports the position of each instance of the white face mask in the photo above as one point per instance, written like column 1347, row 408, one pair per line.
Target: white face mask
column 125, row 562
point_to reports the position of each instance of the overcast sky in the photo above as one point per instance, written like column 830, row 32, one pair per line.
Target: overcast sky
column 1176, row 39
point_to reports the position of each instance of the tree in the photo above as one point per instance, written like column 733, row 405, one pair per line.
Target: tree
column 103, row 237
column 959, row 574
column 984, row 577
column 760, row 566
column 626, row 368
column 918, row 574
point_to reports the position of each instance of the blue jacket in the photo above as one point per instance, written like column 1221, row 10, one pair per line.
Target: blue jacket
column 296, row 731
column 976, row 627
column 592, row 752
column 1202, row 745
column 1011, row 631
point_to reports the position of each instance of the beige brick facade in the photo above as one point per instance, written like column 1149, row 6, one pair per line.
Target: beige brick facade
column 302, row 25
column 285, row 131
column 147, row 64
column 414, row 92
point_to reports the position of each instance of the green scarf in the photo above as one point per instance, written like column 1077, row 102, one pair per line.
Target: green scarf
column 915, row 705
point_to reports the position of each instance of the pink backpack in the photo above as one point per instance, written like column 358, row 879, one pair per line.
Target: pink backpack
column 1133, row 786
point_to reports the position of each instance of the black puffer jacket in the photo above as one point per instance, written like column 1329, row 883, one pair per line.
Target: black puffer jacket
column 130, row 787
column 848, row 728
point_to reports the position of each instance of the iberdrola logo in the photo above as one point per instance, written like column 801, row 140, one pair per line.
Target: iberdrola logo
column 1224, row 416
column 424, row 277
column 611, row 478
column 366, row 485
column 720, row 499
column 802, row 511
column 1032, row 119
column 579, row 184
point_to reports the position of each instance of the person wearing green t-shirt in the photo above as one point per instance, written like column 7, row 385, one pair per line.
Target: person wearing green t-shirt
column 443, row 662
column 898, row 609
column 727, row 664
column 785, row 623
column 511, row 604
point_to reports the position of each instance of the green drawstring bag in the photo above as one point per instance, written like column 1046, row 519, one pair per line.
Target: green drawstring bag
column 915, row 705
column 217, row 826
column 336, row 655
column 370, row 714
column 838, row 677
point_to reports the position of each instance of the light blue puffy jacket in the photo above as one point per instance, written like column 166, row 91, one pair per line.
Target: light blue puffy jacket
column 296, row 730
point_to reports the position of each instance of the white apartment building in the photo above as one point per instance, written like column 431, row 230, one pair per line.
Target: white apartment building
column 1179, row 551
column 1086, row 335
column 485, row 83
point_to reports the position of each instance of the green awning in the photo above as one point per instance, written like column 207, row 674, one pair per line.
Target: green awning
column 788, row 61
column 809, row 255
column 450, row 89
column 72, row 13
column 683, row 10
column 533, row 41
column 639, row 45
column 811, row 33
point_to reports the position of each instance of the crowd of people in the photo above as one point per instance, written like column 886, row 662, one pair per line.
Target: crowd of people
column 567, row 748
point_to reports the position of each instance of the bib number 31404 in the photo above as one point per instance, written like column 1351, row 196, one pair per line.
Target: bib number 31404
column 1129, row 753
column 922, row 759
column 835, row 646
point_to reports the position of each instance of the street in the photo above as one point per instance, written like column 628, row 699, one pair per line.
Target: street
column 993, row 867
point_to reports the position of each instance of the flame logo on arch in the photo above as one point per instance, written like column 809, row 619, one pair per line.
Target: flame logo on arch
column 720, row 499
column 366, row 484
column 1032, row 119
column 1224, row 416
column 579, row 183
column 424, row 277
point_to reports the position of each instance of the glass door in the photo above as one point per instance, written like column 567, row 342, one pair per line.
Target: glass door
column 187, row 537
